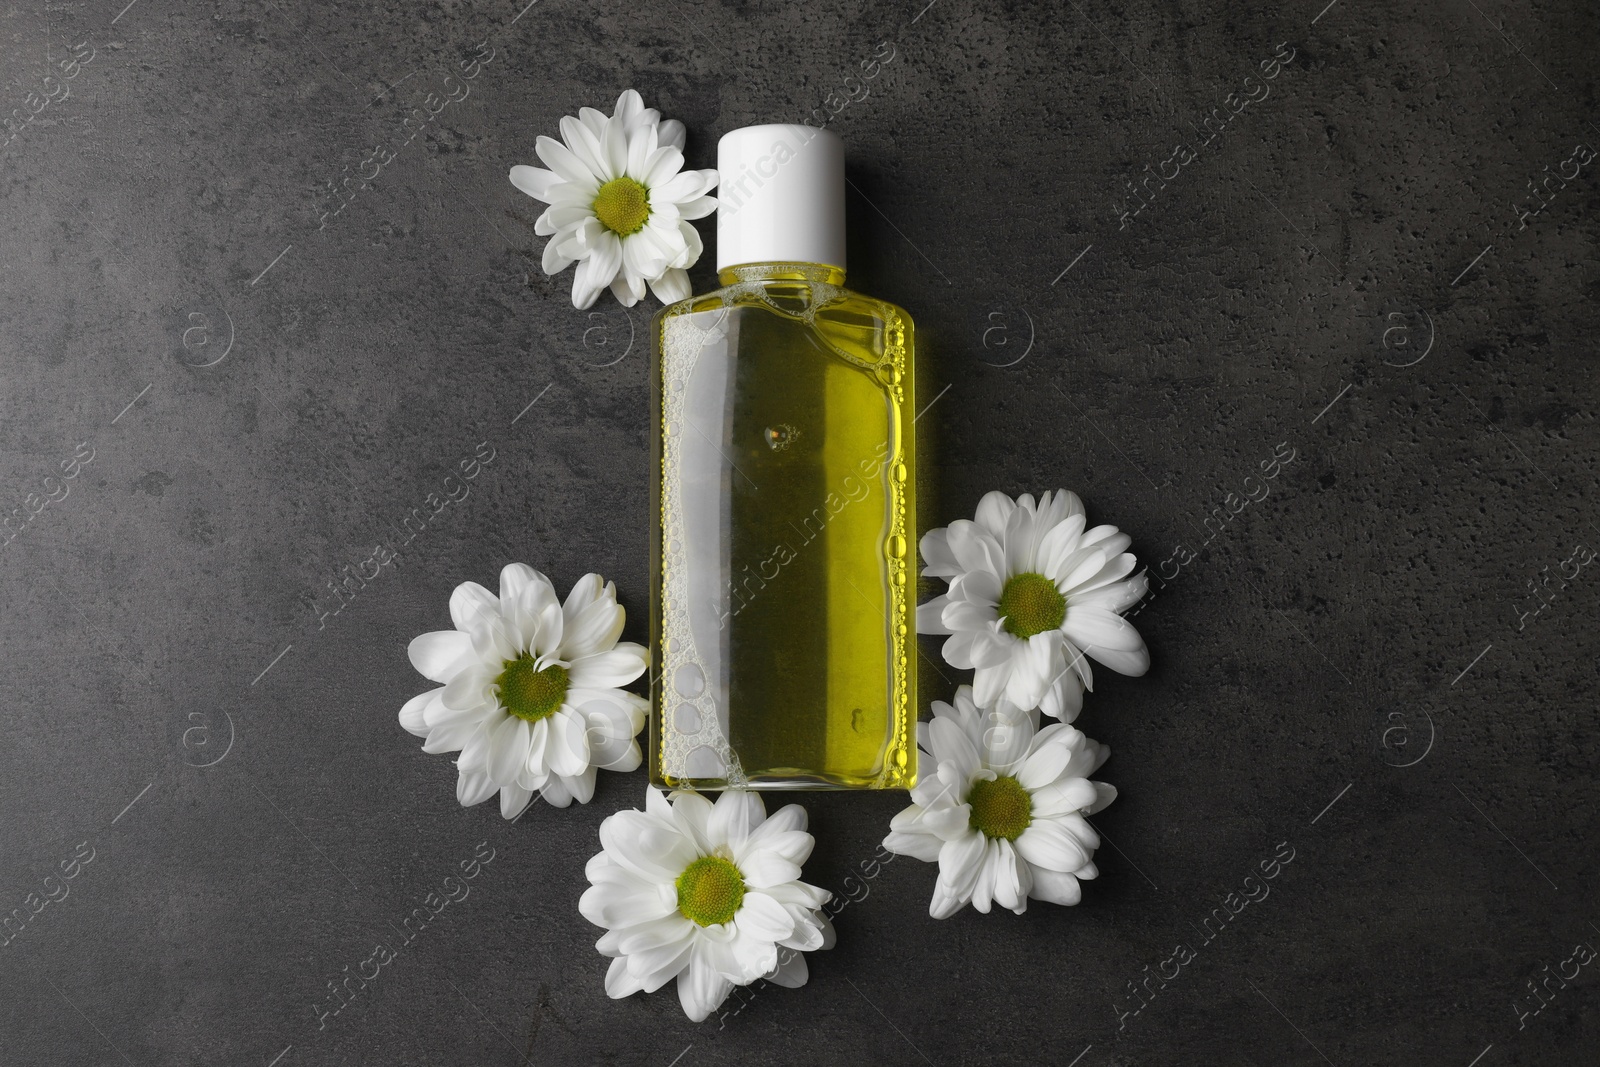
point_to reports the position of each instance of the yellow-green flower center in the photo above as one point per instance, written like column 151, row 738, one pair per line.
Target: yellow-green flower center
column 529, row 693
column 710, row 891
column 622, row 205
column 1000, row 807
column 1031, row 604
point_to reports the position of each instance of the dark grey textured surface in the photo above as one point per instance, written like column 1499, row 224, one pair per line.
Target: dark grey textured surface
column 1343, row 271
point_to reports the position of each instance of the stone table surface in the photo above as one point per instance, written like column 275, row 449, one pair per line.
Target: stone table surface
column 1301, row 296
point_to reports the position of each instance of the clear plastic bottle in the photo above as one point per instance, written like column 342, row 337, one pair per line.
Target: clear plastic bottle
column 784, row 627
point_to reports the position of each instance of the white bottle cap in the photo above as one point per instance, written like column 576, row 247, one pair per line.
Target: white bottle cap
column 780, row 196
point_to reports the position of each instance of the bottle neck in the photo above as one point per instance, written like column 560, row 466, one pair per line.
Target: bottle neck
column 819, row 273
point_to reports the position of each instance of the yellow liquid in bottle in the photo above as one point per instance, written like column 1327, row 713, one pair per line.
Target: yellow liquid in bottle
column 783, row 623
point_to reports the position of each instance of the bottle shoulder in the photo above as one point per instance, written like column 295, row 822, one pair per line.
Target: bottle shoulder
column 795, row 298
column 819, row 317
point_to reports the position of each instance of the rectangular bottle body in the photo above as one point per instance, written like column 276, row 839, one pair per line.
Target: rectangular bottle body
column 783, row 617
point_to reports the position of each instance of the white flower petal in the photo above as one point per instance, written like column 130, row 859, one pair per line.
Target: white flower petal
column 553, row 262
column 701, row 990
column 698, row 208
column 535, row 181
column 515, row 578
column 475, row 752
column 581, row 786
column 976, row 550
column 924, row 847
column 930, row 616
column 672, row 133
column 979, row 649
column 1059, row 545
column 672, row 286
column 474, row 787
column 1034, row 665
column 793, row 845
column 691, row 812
column 1060, row 507
column 593, row 118
column 1117, row 566
column 641, row 143
column 561, row 159
column 1012, row 878
column 508, row 750
column 496, row 638
column 983, row 886
column 440, row 655
column 610, row 669
column 1061, row 797
column 656, row 968
column 619, row 983
column 451, row 736
column 1064, row 698
column 1117, row 596
column 770, row 836
column 692, row 247
column 1079, row 664
column 652, row 943
column 799, row 895
column 611, row 731
column 513, row 798
column 1006, row 738
column 643, row 257
column 685, row 185
column 1057, row 887
column 791, row 971
column 629, row 105
column 736, row 813
column 763, row 870
column 411, row 717
column 628, row 902
column 787, row 818
column 663, row 163
column 1020, row 541
column 470, row 688
column 537, row 760
column 646, row 845
column 952, row 742
column 989, row 683
column 585, row 144
column 555, row 792
column 962, row 616
column 1044, row 766
column 436, row 715
column 623, row 288
column 938, row 560
column 761, row 916
column 1048, row 844
column 614, row 149
column 567, row 752
column 597, row 270
column 960, row 864
column 594, row 629
column 1078, row 826
column 1107, row 638
column 994, row 512
column 469, row 603
column 1079, row 568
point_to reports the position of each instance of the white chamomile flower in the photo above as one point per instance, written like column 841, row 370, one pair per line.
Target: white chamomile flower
column 1003, row 815
column 1031, row 594
column 707, row 893
column 620, row 203
column 530, row 691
